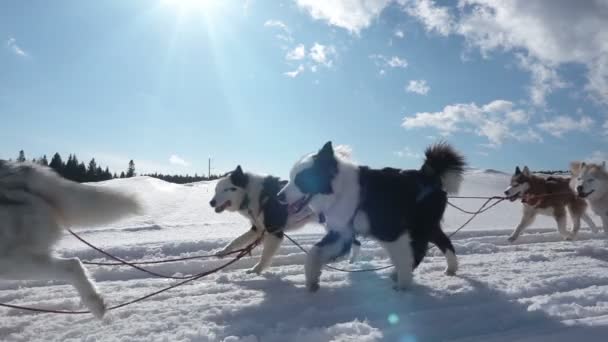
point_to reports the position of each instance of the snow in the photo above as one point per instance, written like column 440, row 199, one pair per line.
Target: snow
column 539, row 288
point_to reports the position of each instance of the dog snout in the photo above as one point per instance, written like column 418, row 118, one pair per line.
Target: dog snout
column 507, row 192
column 212, row 203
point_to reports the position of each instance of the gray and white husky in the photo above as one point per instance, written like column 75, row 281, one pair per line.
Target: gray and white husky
column 591, row 183
column 35, row 205
column 255, row 197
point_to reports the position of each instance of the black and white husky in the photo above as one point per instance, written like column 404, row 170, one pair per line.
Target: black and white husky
column 402, row 209
column 255, row 197
column 35, row 205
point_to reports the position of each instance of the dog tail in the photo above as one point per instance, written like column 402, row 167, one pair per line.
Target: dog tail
column 444, row 161
column 78, row 204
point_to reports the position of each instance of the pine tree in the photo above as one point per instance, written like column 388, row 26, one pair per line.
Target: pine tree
column 122, row 174
column 131, row 170
column 57, row 164
column 43, row 161
column 92, row 174
column 21, row 157
column 81, row 173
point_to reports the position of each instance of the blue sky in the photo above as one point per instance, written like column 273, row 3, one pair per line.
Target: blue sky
column 169, row 83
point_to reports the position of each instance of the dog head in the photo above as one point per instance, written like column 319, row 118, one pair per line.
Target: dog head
column 230, row 191
column 587, row 179
column 520, row 184
column 311, row 181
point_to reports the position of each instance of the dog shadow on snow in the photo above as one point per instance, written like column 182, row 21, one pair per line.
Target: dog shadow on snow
column 475, row 313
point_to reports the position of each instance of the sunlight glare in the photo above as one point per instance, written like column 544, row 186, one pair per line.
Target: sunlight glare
column 191, row 5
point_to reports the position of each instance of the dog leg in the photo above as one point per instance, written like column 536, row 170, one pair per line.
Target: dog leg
column 445, row 245
column 272, row 242
column 590, row 223
column 576, row 224
column 526, row 220
column 43, row 267
column 332, row 246
column 354, row 253
column 605, row 222
column 241, row 241
column 560, row 218
column 400, row 252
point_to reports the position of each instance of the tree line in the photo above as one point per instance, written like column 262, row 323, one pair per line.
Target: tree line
column 78, row 171
column 181, row 179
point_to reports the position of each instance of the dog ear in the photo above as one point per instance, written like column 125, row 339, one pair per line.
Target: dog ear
column 238, row 177
column 575, row 167
column 526, row 171
column 517, row 170
column 327, row 151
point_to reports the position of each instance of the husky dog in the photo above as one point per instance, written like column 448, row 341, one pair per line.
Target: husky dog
column 547, row 196
column 255, row 197
column 35, row 205
column 402, row 209
column 591, row 183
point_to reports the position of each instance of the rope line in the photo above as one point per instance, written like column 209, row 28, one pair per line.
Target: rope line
column 240, row 255
column 484, row 207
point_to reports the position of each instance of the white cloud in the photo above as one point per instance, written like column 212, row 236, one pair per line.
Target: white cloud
column 297, row 53
column 385, row 62
column 322, row 54
column 406, row 152
column 396, row 62
column 418, row 87
column 352, row 15
column 494, row 121
column 177, row 160
column 11, row 43
column 545, row 79
column 399, row 34
column 434, row 18
column 294, row 73
column 561, row 124
column 285, row 34
column 276, row 23
column 540, row 28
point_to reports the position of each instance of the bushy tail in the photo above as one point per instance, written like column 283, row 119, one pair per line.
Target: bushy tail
column 78, row 204
column 444, row 161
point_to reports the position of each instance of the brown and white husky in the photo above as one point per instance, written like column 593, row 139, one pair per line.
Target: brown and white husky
column 547, row 196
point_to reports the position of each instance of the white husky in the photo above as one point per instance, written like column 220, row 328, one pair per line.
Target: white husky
column 35, row 203
column 591, row 183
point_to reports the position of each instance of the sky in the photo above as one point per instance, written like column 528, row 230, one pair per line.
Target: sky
column 171, row 83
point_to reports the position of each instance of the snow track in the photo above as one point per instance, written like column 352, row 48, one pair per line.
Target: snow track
column 539, row 288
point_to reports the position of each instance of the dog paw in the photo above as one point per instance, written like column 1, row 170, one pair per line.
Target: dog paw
column 568, row 237
column 96, row 305
column 401, row 288
column 314, row 287
column 255, row 269
column 512, row 238
column 449, row 272
column 222, row 253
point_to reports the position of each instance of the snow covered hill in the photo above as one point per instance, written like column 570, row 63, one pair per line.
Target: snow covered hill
column 538, row 289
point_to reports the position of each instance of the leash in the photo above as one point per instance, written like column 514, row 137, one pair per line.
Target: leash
column 240, row 255
column 484, row 207
column 124, row 262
